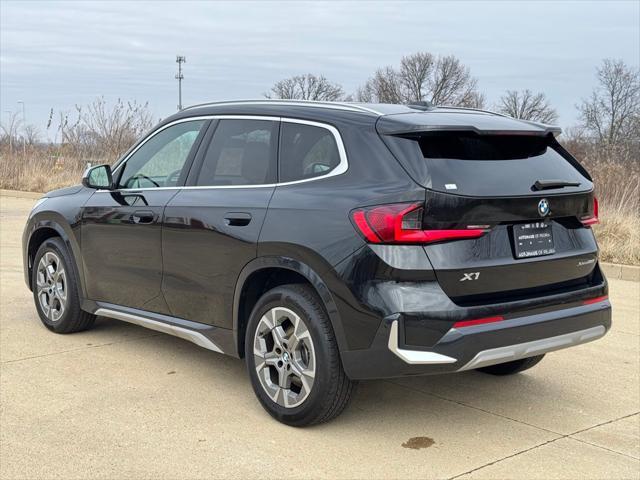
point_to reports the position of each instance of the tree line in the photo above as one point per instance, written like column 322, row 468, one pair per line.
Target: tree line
column 610, row 115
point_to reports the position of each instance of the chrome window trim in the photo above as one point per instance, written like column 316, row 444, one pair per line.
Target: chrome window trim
column 341, row 168
column 183, row 120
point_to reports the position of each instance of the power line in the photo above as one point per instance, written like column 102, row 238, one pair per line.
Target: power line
column 179, row 76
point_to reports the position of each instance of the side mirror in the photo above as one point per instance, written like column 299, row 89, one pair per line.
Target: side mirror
column 98, row 177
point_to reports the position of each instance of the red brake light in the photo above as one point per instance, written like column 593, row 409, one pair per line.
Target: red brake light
column 593, row 219
column 401, row 223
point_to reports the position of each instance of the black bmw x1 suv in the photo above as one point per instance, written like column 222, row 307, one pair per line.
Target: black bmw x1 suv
column 326, row 243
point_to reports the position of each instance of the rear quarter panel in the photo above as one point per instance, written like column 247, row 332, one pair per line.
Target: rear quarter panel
column 310, row 222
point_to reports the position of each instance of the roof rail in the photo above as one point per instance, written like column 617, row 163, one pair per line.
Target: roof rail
column 305, row 103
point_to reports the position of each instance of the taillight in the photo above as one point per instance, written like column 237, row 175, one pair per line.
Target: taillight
column 402, row 223
column 589, row 220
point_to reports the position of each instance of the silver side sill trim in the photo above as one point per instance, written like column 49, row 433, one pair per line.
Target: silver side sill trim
column 530, row 349
column 414, row 357
column 174, row 330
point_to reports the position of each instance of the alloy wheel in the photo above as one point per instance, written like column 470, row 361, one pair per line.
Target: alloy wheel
column 284, row 355
column 51, row 284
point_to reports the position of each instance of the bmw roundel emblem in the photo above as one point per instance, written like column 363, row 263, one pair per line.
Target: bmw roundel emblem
column 543, row 207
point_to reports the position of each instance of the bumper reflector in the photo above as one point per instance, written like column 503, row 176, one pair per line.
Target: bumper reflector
column 596, row 300
column 477, row 321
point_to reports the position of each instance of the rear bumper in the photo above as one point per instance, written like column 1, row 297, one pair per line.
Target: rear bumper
column 477, row 346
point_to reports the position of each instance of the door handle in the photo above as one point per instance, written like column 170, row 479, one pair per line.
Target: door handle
column 237, row 219
column 142, row 216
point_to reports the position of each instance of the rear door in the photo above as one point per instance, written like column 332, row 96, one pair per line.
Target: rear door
column 121, row 228
column 211, row 226
column 525, row 190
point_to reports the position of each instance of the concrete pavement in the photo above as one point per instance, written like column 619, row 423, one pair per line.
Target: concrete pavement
column 120, row 401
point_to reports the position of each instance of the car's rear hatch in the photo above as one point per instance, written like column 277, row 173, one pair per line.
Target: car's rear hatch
column 511, row 178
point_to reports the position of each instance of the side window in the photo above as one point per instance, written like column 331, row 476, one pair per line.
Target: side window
column 159, row 161
column 241, row 152
column 306, row 151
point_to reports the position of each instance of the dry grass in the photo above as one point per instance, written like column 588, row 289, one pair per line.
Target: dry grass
column 616, row 174
column 617, row 186
column 617, row 236
column 41, row 171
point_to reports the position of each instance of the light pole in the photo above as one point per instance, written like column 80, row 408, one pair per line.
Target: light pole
column 10, row 131
column 24, row 128
column 179, row 76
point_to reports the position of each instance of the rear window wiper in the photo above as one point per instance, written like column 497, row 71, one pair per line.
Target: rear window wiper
column 547, row 184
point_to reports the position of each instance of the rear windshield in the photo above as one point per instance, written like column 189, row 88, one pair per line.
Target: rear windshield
column 468, row 163
column 471, row 146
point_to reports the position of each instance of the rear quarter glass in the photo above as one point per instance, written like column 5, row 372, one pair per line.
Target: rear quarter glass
column 471, row 164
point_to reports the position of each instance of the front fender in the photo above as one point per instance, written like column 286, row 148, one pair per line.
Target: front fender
column 69, row 233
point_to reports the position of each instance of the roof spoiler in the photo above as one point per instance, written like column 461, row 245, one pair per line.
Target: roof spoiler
column 480, row 123
column 470, row 128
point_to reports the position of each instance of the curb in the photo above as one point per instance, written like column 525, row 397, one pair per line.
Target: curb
column 611, row 270
column 621, row 272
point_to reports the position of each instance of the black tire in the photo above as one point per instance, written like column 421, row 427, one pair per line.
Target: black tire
column 510, row 368
column 72, row 318
column 331, row 390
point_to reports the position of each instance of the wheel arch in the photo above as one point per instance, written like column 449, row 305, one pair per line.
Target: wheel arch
column 264, row 273
column 42, row 229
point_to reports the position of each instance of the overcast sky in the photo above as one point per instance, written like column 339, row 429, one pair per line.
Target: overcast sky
column 57, row 54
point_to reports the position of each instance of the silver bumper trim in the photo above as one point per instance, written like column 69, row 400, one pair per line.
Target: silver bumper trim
column 414, row 357
column 174, row 330
column 529, row 349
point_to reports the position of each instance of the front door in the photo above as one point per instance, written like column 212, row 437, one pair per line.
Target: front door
column 121, row 228
column 211, row 227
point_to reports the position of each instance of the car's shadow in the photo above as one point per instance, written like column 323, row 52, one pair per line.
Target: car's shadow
column 398, row 397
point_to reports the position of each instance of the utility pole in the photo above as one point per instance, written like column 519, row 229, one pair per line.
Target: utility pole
column 179, row 76
column 24, row 127
column 11, row 131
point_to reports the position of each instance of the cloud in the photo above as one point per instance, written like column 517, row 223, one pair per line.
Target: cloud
column 55, row 54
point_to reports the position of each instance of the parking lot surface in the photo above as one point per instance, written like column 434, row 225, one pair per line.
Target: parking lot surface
column 120, row 401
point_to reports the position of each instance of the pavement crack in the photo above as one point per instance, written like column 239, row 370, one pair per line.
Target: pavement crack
column 605, row 448
column 507, row 457
column 457, row 402
column 604, row 423
column 568, row 435
column 78, row 349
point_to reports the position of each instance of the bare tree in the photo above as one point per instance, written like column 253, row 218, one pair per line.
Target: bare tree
column 441, row 80
column 527, row 106
column 31, row 134
column 306, row 87
column 611, row 115
column 9, row 131
column 103, row 130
